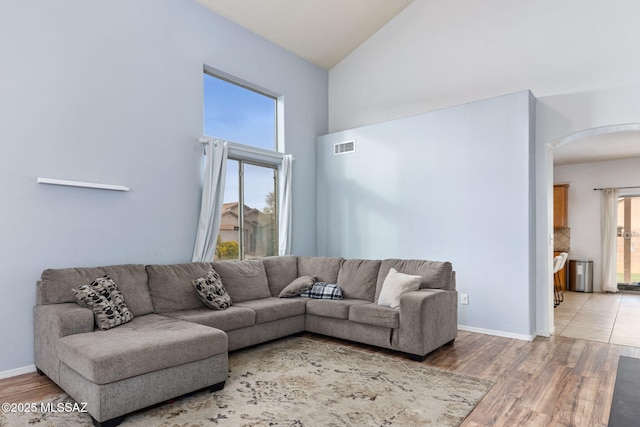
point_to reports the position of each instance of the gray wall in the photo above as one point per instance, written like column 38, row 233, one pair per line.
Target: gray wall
column 111, row 92
column 453, row 184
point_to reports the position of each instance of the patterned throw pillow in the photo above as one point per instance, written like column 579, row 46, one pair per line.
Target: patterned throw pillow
column 103, row 297
column 322, row 290
column 211, row 291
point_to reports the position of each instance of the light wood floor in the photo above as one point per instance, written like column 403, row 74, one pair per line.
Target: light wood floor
column 603, row 317
column 556, row 381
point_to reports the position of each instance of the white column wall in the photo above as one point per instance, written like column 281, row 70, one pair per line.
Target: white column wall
column 450, row 185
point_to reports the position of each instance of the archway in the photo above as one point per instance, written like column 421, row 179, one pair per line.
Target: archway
column 544, row 205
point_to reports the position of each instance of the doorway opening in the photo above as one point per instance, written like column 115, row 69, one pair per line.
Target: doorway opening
column 609, row 143
column 628, row 243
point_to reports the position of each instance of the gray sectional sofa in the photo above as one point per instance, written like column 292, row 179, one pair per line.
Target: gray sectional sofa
column 175, row 344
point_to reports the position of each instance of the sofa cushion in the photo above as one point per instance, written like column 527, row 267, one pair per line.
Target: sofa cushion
column 395, row 285
column 105, row 300
column 374, row 314
column 435, row 274
column 226, row 320
column 321, row 290
column 281, row 270
column 171, row 287
column 55, row 285
column 338, row 309
column 211, row 291
column 244, row 280
column 358, row 277
column 323, row 269
column 298, row 286
column 146, row 344
column 271, row 308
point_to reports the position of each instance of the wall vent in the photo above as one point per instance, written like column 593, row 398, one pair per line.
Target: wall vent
column 344, row 147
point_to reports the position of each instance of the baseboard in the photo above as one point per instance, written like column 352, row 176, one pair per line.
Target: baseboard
column 548, row 333
column 497, row 333
column 18, row 371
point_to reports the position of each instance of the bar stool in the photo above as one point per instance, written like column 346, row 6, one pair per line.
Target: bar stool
column 558, row 264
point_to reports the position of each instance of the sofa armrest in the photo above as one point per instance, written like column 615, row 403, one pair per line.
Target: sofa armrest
column 52, row 322
column 428, row 320
column 60, row 320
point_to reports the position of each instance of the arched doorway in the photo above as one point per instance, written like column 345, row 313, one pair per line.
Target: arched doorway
column 588, row 145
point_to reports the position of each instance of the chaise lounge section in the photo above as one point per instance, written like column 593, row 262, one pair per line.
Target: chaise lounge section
column 175, row 344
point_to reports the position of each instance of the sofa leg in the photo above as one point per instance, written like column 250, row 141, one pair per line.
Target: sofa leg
column 217, row 387
column 109, row 423
column 417, row 357
column 39, row 372
column 450, row 342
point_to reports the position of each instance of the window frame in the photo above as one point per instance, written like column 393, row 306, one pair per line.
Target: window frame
column 256, row 89
column 241, row 234
column 253, row 155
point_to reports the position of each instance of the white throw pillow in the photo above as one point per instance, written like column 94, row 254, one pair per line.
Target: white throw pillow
column 396, row 284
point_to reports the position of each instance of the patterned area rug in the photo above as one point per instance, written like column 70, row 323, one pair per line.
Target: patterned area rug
column 304, row 382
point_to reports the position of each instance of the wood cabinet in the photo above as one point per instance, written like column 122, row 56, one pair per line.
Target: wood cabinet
column 560, row 206
column 563, row 273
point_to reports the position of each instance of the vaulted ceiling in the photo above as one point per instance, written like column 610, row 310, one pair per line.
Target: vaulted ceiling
column 321, row 31
column 325, row 31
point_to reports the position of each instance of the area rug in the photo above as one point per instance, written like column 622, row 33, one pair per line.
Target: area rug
column 625, row 411
column 304, row 382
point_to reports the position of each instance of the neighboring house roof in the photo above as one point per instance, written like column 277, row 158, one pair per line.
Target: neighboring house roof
column 232, row 207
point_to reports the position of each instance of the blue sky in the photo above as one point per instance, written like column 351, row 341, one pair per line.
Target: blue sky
column 237, row 114
column 240, row 115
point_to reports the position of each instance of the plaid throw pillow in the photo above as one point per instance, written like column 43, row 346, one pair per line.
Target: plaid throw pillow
column 321, row 290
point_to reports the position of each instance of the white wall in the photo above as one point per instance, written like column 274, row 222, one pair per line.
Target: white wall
column 452, row 185
column 584, row 203
column 576, row 56
column 111, row 91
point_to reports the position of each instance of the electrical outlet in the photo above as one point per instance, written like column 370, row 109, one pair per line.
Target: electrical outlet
column 464, row 299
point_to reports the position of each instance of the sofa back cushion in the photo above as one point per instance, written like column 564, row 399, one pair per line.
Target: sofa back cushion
column 435, row 274
column 358, row 278
column 55, row 285
column 323, row 269
column 281, row 271
column 171, row 287
column 244, row 280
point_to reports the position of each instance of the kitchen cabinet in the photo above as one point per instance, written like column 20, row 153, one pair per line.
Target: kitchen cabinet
column 563, row 273
column 560, row 206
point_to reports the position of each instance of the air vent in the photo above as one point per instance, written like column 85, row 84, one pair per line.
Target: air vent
column 344, row 147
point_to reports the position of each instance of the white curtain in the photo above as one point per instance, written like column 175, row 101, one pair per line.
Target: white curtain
column 284, row 220
column 608, row 227
column 212, row 197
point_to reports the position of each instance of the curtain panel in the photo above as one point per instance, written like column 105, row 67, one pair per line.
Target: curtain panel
column 215, row 171
column 284, row 213
column 608, row 228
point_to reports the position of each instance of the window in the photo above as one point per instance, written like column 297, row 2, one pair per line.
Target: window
column 248, row 228
column 239, row 114
column 628, row 262
column 247, row 118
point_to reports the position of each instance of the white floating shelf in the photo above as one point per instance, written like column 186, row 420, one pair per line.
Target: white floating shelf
column 82, row 184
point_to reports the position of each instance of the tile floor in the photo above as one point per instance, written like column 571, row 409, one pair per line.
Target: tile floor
column 610, row 318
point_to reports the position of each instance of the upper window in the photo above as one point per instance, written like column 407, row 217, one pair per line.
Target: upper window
column 239, row 114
